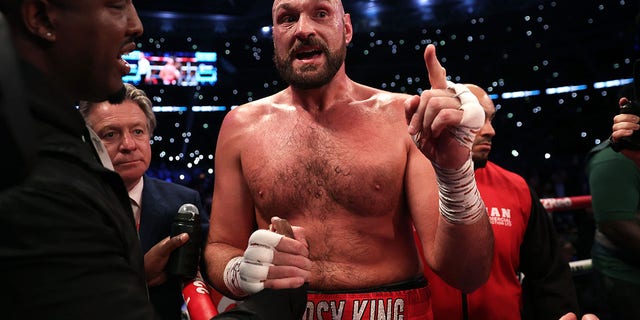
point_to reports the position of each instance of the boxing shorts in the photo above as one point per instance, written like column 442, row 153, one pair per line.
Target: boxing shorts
column 410, row 300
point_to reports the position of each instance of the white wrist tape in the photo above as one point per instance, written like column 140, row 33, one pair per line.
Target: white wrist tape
column 245, row 275
column 232, row 277
column 472, row 114
column 460, row 201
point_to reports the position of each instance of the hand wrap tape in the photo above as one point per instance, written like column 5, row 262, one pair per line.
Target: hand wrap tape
column 245, row 275
column 472, row 114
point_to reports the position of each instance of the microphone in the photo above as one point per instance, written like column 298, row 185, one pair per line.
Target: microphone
column 184, row 261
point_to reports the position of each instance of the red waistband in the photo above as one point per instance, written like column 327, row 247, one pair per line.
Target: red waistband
column 411, row 304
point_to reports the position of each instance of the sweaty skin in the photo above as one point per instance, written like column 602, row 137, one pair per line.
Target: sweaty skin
column 322, row 173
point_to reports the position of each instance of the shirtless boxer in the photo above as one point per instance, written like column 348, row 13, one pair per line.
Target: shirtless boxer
column 337, row 159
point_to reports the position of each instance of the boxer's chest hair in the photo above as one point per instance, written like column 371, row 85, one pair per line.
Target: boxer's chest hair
column 316, row 169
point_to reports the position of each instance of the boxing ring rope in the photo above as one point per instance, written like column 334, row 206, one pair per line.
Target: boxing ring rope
column 204, row 302
column 565, row 204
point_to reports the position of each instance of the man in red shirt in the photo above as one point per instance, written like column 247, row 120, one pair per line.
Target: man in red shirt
column 525, row 242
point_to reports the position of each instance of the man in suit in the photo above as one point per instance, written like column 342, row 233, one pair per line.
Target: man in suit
column 125, row 129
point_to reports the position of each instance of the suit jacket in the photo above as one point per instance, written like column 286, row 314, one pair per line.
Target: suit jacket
column 68, row 244
column 160, row 203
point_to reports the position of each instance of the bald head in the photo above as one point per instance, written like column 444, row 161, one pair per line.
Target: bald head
column 482, row 142
column 319, row 24
column 277, row 4
column 483, row 96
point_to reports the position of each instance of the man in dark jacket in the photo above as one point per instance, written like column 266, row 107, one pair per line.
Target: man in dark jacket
column 69, row 248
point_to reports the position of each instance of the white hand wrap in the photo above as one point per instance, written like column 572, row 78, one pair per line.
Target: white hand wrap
column 245, row 275
column 460, row 201
column 472, row 114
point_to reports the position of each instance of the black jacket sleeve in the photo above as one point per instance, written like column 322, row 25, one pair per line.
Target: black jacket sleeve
column 548, row 290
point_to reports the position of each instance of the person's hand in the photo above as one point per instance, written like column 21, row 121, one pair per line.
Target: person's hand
column 572, row 316
column 443, row 122
column 291, row 264
column 624, row 124
column 155, row 260
column 272, row 260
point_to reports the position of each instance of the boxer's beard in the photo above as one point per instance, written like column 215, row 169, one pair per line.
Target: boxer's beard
column 298, row 78
column 118, row 96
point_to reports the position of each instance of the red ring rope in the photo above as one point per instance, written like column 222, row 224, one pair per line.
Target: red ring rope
column 566, row 203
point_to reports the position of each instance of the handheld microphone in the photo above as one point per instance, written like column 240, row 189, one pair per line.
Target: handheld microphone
column 184, row 261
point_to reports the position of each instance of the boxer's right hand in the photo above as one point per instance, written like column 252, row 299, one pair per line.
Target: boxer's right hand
column 271, row 260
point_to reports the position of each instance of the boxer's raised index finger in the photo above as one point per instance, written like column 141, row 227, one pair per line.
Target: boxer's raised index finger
column 437, row 74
